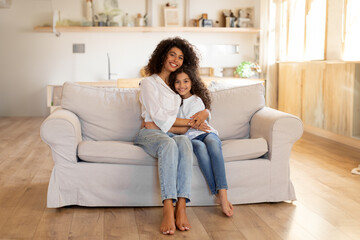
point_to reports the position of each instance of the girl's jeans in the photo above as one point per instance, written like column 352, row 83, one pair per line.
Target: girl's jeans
column 175, row 160
column 208, row 151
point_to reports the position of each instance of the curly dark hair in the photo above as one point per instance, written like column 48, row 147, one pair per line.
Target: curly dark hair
column 197, row 85
column 159, row 55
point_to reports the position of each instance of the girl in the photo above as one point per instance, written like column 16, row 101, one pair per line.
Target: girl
column 207, row 145
column 159, row 107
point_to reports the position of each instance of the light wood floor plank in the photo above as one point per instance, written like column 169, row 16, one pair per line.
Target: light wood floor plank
column 54, row 224
column 197, row 230
column 210, row 218
column 279, row 217
column 27, row 214
column 120, row 223
column 251, row 225
column 317, row 226
column 6, row 213
column 148, row 221
column 322, row 197
column 87, row 223
column 227, row 235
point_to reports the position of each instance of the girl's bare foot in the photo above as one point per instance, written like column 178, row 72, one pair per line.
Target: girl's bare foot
column 181, row 222
column 167, row 226
column 226, row 206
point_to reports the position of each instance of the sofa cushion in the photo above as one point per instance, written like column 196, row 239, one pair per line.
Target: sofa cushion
column 106, row 114
column 114, row 152
column 234, row 102
column 112, row 114
column 241, row 149
column 127, row 153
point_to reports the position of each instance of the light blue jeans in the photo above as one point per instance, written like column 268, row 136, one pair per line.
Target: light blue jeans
column 175, row 161
column 208, row 151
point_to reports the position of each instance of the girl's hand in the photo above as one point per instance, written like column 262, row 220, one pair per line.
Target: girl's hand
column 198, row 118
column 204, row 127
column 151, row 125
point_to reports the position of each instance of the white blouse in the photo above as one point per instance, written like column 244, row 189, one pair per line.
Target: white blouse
column 159, row 104
column 189, row 107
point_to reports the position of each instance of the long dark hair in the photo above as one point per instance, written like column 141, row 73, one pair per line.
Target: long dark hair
column 159, row 55
column 197, row 85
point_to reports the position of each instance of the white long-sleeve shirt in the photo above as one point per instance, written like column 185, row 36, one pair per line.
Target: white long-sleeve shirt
column 159, row 104
column 189, row 107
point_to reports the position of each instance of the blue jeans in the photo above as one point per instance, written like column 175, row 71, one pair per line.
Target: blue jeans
column 175, row 161
column 208, row 151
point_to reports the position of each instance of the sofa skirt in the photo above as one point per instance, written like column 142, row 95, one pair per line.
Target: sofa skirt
column 104, row 184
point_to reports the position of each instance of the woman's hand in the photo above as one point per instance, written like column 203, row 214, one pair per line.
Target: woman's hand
column 151, row 125
column 198, row 118
column 204, row 127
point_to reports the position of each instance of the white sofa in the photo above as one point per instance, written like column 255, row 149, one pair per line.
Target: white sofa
column 96, row 163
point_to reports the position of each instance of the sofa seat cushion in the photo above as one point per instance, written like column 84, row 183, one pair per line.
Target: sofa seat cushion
column 128, row 153
column 243, row 149
column 114, row 152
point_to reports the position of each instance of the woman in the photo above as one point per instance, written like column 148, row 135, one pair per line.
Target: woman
column 160, row 106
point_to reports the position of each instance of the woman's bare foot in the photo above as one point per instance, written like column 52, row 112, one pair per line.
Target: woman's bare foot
column 167, row 226
column 181, row 222
column 226, row 206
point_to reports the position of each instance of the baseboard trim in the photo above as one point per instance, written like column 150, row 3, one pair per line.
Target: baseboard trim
column 352, row 142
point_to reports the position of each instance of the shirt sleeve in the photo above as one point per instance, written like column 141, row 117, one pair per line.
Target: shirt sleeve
column 196, row 106
column 209, row 117
column 153, row 105
column 200, row 106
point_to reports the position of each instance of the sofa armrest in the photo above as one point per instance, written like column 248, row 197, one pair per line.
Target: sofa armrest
column 62, row 132
column 281, row 130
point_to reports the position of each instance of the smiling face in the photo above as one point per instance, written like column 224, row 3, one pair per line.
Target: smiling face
column 182, row 85
column 174, row 59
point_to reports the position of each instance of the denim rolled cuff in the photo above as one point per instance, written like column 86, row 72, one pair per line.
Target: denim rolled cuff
column 186, row 196
column 173, row 198
column 221, row 187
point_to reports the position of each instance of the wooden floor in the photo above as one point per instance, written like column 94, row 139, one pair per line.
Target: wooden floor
column 328, row 205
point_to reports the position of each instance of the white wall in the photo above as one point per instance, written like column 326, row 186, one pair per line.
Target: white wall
column 29, row 60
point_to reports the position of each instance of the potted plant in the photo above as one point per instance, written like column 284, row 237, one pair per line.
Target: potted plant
column 247, row 69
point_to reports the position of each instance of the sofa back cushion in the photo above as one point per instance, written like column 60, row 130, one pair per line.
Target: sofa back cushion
column 113, row 114
column 106, row 114
column 234, row 102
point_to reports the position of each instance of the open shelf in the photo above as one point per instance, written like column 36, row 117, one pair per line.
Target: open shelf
column 148, row 29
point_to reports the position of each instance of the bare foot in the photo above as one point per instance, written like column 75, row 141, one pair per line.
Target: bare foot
column 180, row 212
column 167, row 226
column 226, row 206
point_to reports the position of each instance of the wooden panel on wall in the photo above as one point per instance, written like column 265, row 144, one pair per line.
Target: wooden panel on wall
column 356, row 121
column 290, row 90
column 338, row 98
column 312, row 89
